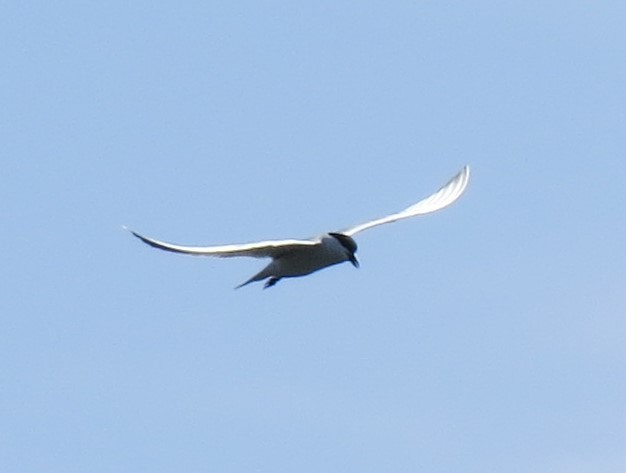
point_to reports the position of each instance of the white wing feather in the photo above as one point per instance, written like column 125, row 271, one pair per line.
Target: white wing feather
column 261, row 249
column 445, row 196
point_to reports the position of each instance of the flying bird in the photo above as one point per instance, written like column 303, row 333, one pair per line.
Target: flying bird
column 294, row 258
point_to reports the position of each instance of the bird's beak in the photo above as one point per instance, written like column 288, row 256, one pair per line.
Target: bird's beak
column 354, row 261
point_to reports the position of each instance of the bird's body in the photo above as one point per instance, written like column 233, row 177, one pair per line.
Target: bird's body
column 327, row 251
column 294, row 258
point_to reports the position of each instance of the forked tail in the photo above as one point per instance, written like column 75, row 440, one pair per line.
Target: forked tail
column 264, row 273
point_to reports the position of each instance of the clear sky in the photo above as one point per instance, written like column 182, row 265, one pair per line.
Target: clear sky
column 487, row 337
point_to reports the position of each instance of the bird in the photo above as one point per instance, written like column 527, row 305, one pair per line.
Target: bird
column 299, row 257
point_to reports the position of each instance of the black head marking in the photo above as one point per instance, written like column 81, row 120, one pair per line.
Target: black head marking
column 347, row 242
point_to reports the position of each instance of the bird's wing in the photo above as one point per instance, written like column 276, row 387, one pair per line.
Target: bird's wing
column 440, row 199
column 261, row 249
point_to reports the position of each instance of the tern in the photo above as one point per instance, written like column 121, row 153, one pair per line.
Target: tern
column 293, row 258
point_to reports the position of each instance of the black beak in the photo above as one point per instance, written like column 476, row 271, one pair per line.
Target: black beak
column 354, row 261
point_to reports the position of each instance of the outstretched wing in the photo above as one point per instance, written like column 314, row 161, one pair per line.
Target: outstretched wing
column 440, row 199
column 261, row 249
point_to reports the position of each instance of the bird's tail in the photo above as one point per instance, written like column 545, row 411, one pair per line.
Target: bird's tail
column 264, row 273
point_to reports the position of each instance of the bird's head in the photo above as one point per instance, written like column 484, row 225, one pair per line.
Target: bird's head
column 350, row 246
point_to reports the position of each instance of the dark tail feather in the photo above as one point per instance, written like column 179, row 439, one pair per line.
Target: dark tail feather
column 264, row 273
column 246, row 283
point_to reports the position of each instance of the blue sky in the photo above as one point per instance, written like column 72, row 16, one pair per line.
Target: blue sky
column 487, row 337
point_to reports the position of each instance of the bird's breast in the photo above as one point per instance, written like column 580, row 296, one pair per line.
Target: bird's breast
column 309, row 259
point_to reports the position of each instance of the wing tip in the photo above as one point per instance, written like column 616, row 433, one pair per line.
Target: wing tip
column 133, row 232
column 466, row 170
column 458, row 183
column 149, row 241
column 463, row 174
